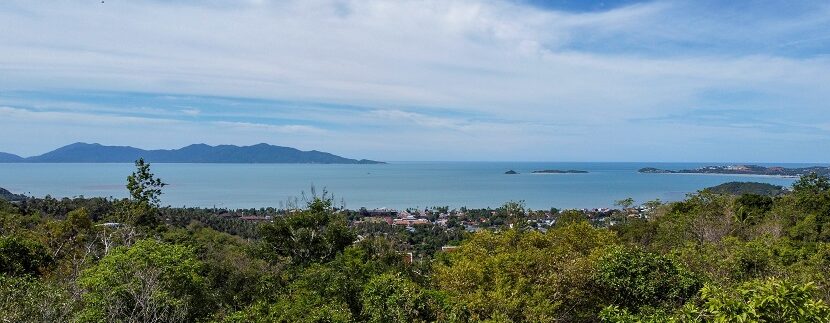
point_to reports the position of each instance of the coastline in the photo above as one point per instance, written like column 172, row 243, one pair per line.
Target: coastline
column 717, row 174
column 396, row 185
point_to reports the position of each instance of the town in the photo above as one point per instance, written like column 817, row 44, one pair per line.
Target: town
column 509, row 215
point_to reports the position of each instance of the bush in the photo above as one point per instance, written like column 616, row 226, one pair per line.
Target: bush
column 633, row 279
column 19, row 256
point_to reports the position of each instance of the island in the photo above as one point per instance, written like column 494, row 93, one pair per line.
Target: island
column 743, row 170
column 80, row 152
column 741, row 188
column 511, row 172
column 557, row 171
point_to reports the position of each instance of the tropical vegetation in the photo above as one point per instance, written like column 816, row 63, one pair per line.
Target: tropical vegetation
column 708, row 258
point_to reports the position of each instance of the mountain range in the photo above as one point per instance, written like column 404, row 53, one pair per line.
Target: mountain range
column 198, row 153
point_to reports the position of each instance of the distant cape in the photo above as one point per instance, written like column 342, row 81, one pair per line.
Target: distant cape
column 199, row 153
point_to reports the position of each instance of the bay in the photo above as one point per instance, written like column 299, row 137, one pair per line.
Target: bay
column 395, row 185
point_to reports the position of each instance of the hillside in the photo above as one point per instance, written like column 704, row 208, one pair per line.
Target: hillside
column 740, row 188
column 10, row 158
column 9, row 196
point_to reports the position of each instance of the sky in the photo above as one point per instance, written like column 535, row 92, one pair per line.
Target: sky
column 466, row 80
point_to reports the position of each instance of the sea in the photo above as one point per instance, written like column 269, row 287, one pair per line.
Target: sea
column 395, row 185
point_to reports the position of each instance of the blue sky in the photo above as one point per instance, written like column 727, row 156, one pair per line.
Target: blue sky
column 392, row 80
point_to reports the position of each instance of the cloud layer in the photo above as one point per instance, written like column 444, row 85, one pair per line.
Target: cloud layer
column 416, row 80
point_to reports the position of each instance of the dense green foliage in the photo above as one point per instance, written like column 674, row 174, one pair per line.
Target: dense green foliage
column 768, row 300
column 711, row 257
column 20, row 256
column 316, row 235
column 148, row 281
column 741, row 188
column 9, row 196
column 632, row 279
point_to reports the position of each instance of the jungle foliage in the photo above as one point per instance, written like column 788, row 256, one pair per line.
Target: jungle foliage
column 708, row 258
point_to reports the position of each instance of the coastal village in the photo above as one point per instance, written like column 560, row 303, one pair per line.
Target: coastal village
column 423, row 232
column 471, row 220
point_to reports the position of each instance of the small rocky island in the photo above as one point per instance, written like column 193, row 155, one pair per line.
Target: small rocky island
column 742, row 170
column 557, row 171
column 511, row 172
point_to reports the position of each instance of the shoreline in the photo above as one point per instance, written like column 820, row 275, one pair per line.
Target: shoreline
column 717, row 174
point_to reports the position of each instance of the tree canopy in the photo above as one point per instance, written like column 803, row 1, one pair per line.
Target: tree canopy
column 710, row 257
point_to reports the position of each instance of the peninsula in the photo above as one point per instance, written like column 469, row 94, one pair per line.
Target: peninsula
column 198, row 153
column 742, row 170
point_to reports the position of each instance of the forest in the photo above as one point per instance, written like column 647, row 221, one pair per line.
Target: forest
column 709, row 258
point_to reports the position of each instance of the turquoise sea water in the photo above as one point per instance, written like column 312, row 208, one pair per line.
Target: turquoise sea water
column 394, row 185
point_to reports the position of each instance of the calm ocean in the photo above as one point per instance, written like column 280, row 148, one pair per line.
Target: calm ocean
column 394, row 185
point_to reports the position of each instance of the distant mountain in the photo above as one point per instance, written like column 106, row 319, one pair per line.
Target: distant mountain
column 91, row 153
column 199, row 153
column 10, row 158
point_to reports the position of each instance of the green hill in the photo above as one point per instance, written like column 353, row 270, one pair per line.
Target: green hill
column 9, row 196
column 740, row 188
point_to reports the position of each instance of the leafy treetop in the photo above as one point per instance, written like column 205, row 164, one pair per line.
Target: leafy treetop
column 143, row 185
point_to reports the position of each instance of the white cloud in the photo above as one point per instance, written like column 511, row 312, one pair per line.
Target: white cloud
column 191, row 111
column 417, row 119
column 258, row 127
column 10, row 115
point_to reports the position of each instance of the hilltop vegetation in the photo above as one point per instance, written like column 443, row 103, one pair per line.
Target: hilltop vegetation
column 741, row 188
column 710, row 257
column 9, row 196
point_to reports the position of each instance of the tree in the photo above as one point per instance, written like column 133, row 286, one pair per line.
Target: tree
column 768, row 300
column 19, row 256
column 513, row 212
column 702, row 217
column 150, row 281
column 301, row 306
column 64, row 236
column 523, row 275
column 392, row 298
column 632, row 278
column 234, row 276
column 145, row 190
column 28, row 299
column 811, row 183
column 625, row 203
column 810, row 217
column 143, row 185
column 568, row 217
column 316, row 234
column 751, row 208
